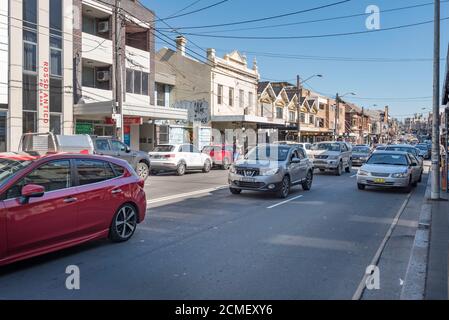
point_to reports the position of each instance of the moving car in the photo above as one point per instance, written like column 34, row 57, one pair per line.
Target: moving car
column 389, row 169
column 334, row 156
column 424, row 150
column 360, row 154
column 406, row 148
column 221, row 155
column 271, row 168
column 108, row 146
column 179, row 158
column 52, row 202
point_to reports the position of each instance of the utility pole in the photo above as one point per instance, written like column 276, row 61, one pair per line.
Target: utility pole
column 362, row 141
column 299, row 93
column 118, row 108
column 435, row 184
column 337, row 115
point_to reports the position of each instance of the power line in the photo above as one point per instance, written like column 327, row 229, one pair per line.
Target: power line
column 311, row 21
column 267, row 18
column 185, row 8
column 314, row 36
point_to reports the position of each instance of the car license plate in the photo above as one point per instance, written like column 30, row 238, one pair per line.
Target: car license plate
column 379, row 180
column 245, row 179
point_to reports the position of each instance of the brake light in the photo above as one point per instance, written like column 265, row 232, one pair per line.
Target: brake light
column 168, row 156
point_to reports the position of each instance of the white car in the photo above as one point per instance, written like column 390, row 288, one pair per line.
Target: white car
column 179, row 158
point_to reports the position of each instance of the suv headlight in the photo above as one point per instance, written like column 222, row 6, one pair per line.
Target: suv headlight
column 400, row 175
column 362, row 172
column 269, row 172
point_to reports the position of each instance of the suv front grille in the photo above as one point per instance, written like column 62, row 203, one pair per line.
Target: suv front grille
column 247, row 172
column 245, row 184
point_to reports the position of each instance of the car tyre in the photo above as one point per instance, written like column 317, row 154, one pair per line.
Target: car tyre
column 123, row 224
column 226, row 164
column 348, row 168
column 284, row 189
column 307, row 184
column 408, row 188
column 181, row 169
column 207, row 166
column 143, row 170
column 339, row 170
column 235, row 191
column 361, row 186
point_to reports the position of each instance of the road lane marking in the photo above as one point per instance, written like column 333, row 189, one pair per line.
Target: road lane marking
column 360, row 289
column 185, row 195
column 284, row 202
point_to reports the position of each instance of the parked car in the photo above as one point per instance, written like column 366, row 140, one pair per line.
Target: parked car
column 271, row 168
column 334, row 156
column 179, row 158
column 221, row 155
column 52, row 202
column 360, row 154
column 109, row 146
column 390, row 169
column 424, row 150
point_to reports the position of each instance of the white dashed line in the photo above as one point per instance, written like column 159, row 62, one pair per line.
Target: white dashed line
column 284, row 202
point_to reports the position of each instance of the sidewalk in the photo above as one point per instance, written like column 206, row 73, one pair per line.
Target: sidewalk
column 437, row 273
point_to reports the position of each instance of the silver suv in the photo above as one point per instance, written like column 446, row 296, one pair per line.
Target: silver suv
column 334, row 156
column 271, row 168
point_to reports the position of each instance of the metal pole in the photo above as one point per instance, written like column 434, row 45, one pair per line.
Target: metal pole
column 435, row 186
column 337, row 115
column 118, row 71
column 299, row 91
column 446, row 149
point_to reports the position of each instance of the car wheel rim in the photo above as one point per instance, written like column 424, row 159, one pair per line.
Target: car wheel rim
column 125, row 222
column 143, row 171
column 285, row 187
column 181, row 168
column 309, row 179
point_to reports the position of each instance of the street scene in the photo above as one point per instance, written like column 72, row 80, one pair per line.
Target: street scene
column 175, row 151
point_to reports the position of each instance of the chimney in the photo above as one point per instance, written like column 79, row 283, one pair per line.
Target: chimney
column 211, row 54
column 181, row 45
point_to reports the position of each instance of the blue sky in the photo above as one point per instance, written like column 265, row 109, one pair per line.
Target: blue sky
column 405, row 86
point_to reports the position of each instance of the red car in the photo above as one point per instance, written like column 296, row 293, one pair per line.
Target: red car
column 221, row 155
column 57, row 201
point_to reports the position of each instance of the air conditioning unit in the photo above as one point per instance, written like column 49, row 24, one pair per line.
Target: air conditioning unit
column 103, row 26
column 103, row 76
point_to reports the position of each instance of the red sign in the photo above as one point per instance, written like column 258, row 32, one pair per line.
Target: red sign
column 43, row 92
column 127, row 120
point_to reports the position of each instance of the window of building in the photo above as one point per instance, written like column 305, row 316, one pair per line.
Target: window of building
column 54, row 175
column 291, row 116
column 56, row 95
column 220, row 94
column 322, row 106
column 145, row 83
column 279, row 112
column 93, row 171
column 250, row 99
column 241, row 99
column 29, row 50
column 29, row 13
column 160, row 93
column 29, row 122
column 320, row 122
column 311, row 119
column 302, row 117
column 231, row 97
column 137, row 82
column 55, row 56
column 29, row 92
column 88, row 76
column 55, row 123
column 129, row 81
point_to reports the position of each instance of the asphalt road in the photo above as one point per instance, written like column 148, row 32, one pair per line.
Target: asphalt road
column 201, row 242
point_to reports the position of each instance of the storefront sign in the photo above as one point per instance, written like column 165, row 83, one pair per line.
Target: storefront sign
column 43, row 92
column 127, row 121
column 84, row 128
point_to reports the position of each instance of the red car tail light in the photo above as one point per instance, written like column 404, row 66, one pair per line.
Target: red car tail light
column 168, row 156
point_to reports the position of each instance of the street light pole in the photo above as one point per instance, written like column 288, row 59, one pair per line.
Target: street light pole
column 118, row 108
column 435, row 183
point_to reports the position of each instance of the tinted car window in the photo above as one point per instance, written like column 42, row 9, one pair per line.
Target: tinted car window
column 119, row 170
column 187, row 148
column 54, row 175
column 92, row 171
column 102, row 145
column 117, row 145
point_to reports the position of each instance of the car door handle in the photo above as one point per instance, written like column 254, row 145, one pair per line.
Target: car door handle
column 115, row 191
column 70, row 200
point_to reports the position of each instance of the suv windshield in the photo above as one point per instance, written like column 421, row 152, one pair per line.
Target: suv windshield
column 9, row 167
column 270, row 153
column 388, row 159
column 327, row 146
column 361, row 149
column 164, row 149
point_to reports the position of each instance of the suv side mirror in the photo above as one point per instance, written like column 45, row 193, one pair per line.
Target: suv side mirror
column 31, row 191
column 127, row 149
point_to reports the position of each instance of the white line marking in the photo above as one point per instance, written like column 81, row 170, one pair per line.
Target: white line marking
column 359, row 292
column 185, row 195
column 284, row 202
